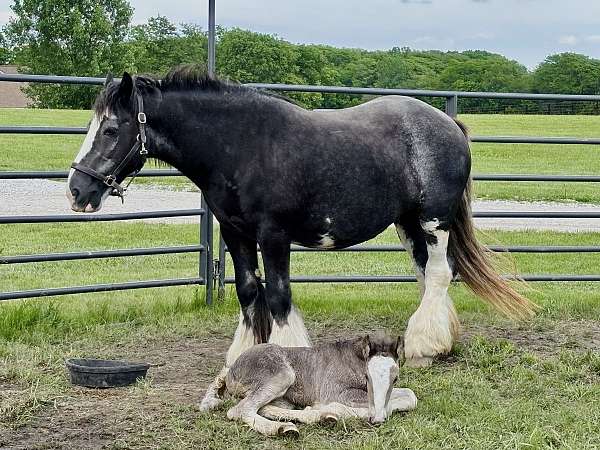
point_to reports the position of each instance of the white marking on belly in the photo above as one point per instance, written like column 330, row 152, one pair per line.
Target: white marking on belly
column 326, row 241
column 431, row 225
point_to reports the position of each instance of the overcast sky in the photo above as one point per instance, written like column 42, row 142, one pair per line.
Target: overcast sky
column 525, row 30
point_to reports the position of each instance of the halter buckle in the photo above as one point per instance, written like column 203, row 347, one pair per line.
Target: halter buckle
column 143, row 150
column 141, row 117
column 110, row 180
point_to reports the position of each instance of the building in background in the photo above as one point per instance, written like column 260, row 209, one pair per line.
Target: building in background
column 11, row 95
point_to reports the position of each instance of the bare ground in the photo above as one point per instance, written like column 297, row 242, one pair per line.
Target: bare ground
column 162, row 411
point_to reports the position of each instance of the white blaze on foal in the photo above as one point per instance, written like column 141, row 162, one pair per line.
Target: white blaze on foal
column 382, row 372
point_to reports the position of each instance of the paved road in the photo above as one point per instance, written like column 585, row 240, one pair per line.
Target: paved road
column 38, row 197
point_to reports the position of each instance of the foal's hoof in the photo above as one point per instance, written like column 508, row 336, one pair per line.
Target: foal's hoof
column 209, row 403
column 289, row 430
column 328, row 420
column 419, row 361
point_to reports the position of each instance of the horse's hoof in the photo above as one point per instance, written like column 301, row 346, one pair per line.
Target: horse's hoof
column 289, row 430
column 419, row 362
column 329, row 420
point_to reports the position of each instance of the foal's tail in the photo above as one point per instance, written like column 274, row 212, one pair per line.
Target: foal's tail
column 475, row 266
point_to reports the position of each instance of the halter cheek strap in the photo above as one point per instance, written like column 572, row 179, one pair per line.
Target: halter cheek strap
column 139, row 147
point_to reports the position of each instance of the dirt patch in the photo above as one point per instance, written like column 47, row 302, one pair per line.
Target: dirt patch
column 107, row 418
column 162, row 411
column 581, row 336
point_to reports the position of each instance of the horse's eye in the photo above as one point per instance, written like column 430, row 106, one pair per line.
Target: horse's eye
column 111, row 131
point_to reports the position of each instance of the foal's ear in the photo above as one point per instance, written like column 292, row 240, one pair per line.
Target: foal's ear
column 399, row 348
column 126, row 89
column 363, row 347
column 109, row 79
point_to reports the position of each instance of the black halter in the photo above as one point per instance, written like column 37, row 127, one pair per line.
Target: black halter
column 140, row 145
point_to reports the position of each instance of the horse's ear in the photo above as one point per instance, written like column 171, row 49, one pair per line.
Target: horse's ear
column 109, row 79
column 126, row 89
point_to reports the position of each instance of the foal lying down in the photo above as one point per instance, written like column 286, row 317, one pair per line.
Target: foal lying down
column 352, row 378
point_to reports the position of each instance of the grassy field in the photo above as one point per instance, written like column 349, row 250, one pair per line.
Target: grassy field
column 506, row 385
column 57, row 152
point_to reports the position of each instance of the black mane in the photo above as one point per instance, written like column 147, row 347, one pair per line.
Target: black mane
column 182, row 78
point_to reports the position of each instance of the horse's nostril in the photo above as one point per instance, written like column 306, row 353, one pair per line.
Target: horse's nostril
column 75, row 192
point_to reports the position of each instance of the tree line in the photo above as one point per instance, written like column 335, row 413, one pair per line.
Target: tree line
column 95, row 37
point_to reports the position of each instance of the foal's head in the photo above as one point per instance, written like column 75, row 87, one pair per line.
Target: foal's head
column 381, row 353
column 112, row 148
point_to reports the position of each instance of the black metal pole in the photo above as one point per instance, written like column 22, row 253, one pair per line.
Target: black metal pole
column 206, row 258
column 211, row 37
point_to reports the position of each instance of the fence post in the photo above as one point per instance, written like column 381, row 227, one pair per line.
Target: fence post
column 222, row 268
column 219, row 264
column 452, row 106
column 206, row 257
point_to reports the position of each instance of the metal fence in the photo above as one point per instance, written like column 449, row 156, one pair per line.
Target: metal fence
column 211, row 269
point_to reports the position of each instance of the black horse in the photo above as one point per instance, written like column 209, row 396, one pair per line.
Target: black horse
column 274, row 173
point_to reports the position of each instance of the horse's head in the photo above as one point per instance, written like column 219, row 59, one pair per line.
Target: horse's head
column 381, row 353
column 114, row 146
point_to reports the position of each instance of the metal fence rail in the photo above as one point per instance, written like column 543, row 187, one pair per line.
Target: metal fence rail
column 488, row 139
column 207, row 277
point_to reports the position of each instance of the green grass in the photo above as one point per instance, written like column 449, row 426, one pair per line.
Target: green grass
column 492, row 393
column 57, row 152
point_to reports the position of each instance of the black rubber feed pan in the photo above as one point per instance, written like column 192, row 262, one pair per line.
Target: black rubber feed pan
column 102, row 373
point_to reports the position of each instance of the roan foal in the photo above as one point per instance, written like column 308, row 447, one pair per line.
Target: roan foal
column 351, row 378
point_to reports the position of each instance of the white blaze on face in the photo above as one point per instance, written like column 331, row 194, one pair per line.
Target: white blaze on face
column 382, row 372
column 86, row 147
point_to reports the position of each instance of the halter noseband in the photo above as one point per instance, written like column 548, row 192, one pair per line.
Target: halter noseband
column 140, row 145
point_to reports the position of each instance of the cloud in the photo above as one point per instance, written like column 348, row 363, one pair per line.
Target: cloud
column 568, row 40
column 433, row 42
column 594, row 38
column 482, row 36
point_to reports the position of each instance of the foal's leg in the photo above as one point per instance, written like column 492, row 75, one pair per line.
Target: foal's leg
column 213, row 397
column 288, row 328
column 354, row 404
column 401, row 399
column 433, row 328
column 336, row 410
column 273, row 386
column 308, row 415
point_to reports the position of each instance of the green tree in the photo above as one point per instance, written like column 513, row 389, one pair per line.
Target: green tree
column 5, row 53
column 488, row 73
column 246, row 56
column 159, row 45
column 75, row 37
column 567, row 73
